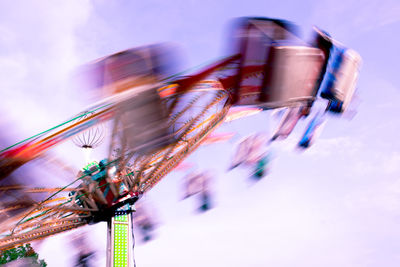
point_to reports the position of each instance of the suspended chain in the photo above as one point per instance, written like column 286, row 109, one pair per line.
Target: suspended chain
column 49, row 229
column 174, row 117
column 191, row 146
column 152, row 178
column 53, row 216
column 190, row 104
column 150, row 163
column 189, row 127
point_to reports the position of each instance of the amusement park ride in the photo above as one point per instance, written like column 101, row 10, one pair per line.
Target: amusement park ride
column 157, row 121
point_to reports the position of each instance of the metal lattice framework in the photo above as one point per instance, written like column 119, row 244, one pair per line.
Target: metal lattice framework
column 157, row 123
column 193, row 115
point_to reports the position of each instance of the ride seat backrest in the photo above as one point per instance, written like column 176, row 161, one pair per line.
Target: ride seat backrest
column 145, row 121
column 257, row 39
column 291, row 75
column 341, row 77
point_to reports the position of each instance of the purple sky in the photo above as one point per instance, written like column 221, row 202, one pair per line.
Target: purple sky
column 337, row 204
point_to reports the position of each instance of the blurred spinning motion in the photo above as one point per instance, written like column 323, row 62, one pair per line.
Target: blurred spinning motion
column 252, row 152
column 157, row 120
column 198, row 183
column 144, row 221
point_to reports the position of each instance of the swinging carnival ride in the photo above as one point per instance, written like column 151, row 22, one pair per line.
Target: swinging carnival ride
column 157, row 121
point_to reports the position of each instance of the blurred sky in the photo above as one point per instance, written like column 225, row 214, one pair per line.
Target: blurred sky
column 337, row 204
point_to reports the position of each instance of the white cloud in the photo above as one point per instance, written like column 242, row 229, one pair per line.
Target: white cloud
column 381, row 163
column 381, row 195
column 344, row 145
column 377, row 13
column 38, row 50
column 391, row 163
column 355, row 16
column 324, row 147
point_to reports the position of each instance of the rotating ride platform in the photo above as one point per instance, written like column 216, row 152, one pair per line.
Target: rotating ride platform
column 157, row 121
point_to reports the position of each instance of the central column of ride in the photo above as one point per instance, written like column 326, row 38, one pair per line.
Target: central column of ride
column 120, row 240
